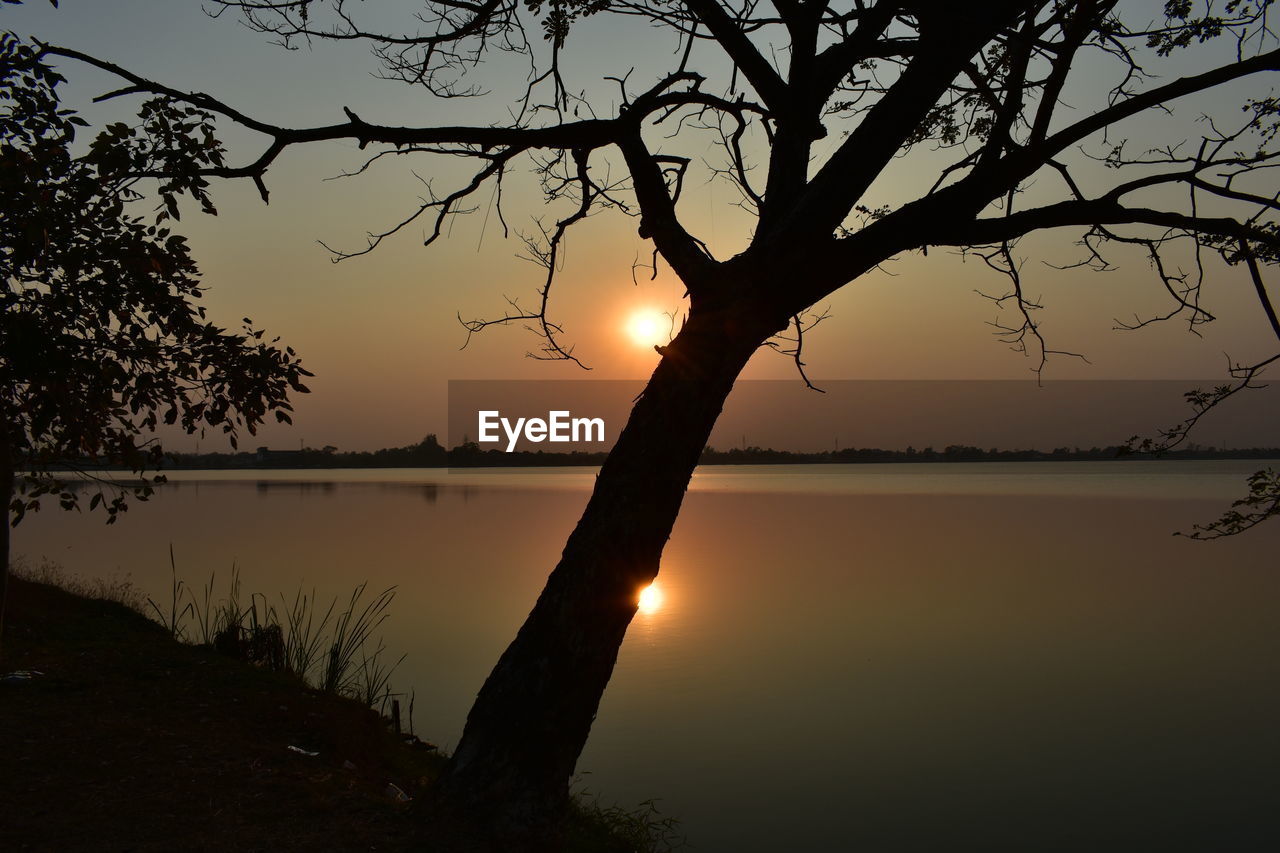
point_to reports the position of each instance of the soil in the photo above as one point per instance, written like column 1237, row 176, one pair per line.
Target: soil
column 130, row 741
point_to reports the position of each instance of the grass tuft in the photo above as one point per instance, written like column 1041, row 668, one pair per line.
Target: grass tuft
column 119, row 590
column 352, row 630
column 331, row 649
column 597, row 828
column 177, row 591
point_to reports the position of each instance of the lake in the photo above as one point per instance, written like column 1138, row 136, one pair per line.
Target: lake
column 897, row 657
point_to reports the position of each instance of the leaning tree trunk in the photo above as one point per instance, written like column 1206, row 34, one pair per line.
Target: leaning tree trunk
column 512, row 768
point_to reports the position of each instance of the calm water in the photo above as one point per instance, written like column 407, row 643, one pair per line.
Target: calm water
column 886, row 657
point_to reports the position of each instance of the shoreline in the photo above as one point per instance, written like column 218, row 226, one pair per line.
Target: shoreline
column 125, row 738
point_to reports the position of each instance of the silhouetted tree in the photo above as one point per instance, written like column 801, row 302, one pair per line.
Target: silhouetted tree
column 979, row 90
column 100, row 339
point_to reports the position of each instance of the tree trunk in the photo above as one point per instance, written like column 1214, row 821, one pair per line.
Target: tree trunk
column 530, row 721
column 6, row 493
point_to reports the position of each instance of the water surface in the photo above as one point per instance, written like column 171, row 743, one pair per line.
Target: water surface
column 897, row 657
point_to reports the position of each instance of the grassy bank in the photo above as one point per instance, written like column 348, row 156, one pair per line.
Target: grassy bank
column 130, row 740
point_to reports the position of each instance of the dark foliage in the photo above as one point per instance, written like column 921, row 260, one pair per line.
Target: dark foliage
column 101, row 339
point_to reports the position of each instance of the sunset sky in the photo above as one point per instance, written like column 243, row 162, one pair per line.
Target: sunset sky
column 381, row 331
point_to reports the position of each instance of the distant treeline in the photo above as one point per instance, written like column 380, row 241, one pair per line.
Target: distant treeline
column 429, row 453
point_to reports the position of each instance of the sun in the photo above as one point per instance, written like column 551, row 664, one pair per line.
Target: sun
column 650, row 599
column 648, row 327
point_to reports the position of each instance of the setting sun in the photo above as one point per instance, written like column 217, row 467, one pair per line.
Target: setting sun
column 650, row 599
column 648, row 328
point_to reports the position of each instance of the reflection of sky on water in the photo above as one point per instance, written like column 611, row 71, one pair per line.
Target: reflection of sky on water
column 1216, row 479
column 895, row 670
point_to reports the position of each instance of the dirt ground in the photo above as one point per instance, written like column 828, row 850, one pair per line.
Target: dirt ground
column 131, row 741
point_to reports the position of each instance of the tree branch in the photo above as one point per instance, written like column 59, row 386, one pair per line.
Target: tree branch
column 759, row 73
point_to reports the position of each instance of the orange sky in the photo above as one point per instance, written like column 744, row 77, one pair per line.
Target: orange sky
column 381, row 331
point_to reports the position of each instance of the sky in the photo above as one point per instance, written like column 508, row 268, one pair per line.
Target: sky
column 381, row 332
